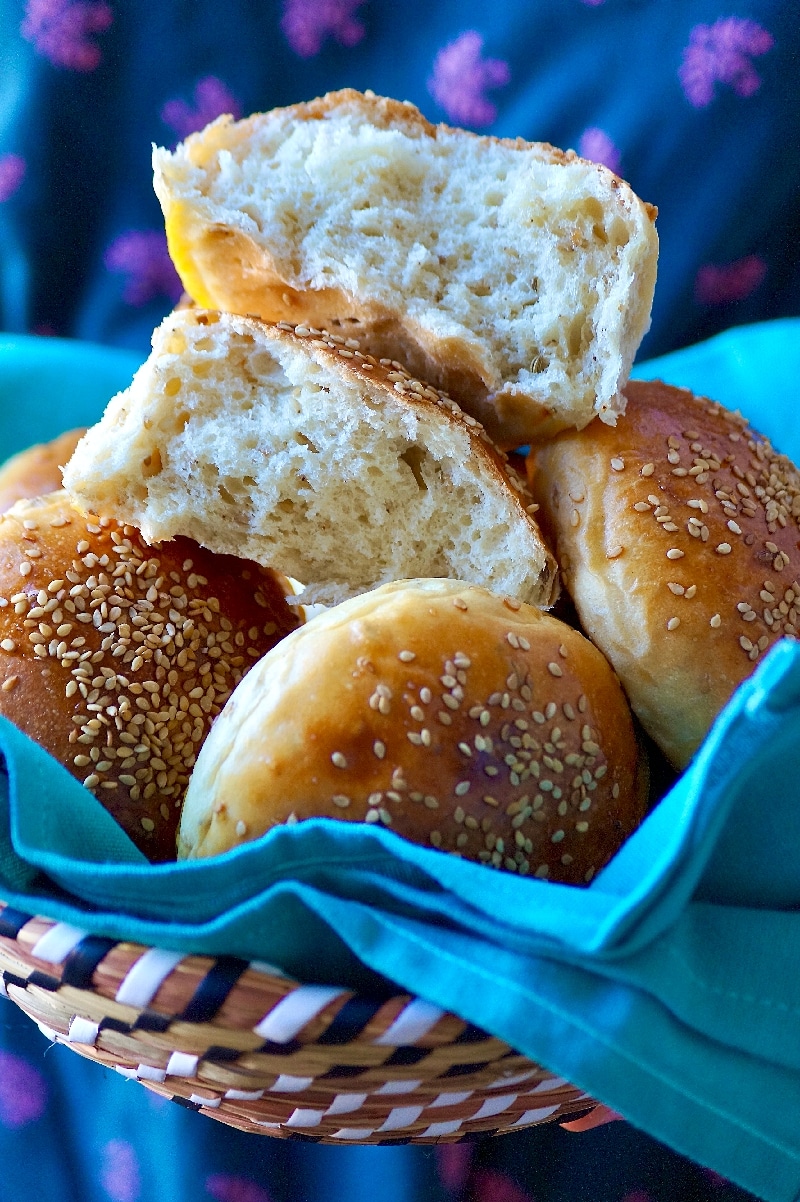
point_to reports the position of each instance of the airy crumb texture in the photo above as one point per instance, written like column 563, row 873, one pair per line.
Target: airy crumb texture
column 517, row 277
column 297, row 451
column 456, row 718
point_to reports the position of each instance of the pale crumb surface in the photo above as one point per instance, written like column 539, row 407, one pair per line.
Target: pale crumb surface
column 254, row 442
column 528, row 269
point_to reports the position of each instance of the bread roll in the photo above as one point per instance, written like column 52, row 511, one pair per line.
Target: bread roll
column 304, row 455
column 116, row 657
column 515, row 276
column 36, row 471
column 677, row 536
column 455, row 717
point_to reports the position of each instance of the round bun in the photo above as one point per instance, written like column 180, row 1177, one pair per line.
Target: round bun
column 677, row 535
column 455, row 717
column 116, row 657
column 36, row 470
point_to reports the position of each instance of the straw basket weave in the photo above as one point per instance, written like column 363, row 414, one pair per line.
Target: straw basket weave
column 253, row 1049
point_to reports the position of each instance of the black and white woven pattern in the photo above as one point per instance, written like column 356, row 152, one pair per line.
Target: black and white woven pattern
column 248, row 1046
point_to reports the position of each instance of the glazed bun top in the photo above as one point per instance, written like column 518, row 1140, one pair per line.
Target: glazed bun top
column 116, row 657
column 677, row 535
column 458, row 718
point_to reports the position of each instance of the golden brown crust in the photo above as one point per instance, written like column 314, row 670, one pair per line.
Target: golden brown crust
column 116, row 657
column 455, row 717
column 677, row 536
column 36, row 471
column 384, row 113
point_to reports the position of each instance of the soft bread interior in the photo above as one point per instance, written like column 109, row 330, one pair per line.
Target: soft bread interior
column 257, row 442
column 528, row 269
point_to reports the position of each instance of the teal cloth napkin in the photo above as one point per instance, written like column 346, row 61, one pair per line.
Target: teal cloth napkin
column 668, row 988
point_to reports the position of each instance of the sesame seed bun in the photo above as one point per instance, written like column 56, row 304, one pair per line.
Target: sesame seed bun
column 116, row 657
column 677, row 535
column 455, row 717
column 37, row 470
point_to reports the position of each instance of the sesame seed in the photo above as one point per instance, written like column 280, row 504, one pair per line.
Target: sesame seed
column 716, row 621
column 618, row 464
column 723, row 549
column 406, row 656
column 675, row 553
column 555, row 669
column 648, row 469
column 338, row 760
column 673, row 623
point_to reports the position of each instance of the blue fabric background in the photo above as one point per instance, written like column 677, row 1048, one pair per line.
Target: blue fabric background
column 725, row 177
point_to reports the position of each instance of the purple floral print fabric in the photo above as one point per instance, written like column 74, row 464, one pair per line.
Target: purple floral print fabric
column 696, row 103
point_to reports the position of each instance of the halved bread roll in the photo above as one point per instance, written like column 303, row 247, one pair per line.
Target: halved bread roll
column 517, row 277
column 297, row 451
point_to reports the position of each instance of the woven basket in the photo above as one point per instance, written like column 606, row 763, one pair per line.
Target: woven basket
column 262, row 1053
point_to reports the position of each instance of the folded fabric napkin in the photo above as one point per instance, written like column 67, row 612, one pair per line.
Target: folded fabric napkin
column 667, row 988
